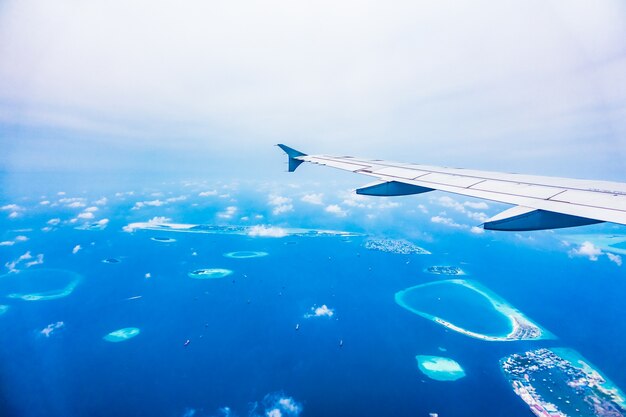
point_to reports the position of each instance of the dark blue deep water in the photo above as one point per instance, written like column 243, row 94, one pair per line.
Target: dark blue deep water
column 243, row 343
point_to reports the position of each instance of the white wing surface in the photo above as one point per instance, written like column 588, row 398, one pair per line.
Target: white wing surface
column 540, row 202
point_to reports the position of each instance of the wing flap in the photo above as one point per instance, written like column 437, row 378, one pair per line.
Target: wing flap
column 526, row 190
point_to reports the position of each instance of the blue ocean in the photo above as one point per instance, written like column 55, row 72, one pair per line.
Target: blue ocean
column 252, row 343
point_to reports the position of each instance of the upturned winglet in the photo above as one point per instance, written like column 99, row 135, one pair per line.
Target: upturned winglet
column 293, row 155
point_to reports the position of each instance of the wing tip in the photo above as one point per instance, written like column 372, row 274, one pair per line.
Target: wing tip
column 292, row 154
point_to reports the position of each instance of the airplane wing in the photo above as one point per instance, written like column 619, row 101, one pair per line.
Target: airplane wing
column 539, row 202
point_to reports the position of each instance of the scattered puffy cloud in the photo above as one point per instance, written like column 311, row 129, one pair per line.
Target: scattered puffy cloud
column 478, row 205
column 101, row 202
column 27, row 258
column 76, row 249
column 54, row 222
column 281, row 204
column 11, row 207
column 44, row 202
column 17, row 239
column 587, row 249
column 614, row 258
column 227, row 213
column 477, row 230
column 592, row 252
column 92, row 209
column 175, row 199
column 157, row 220
column 445, row 221
column 37, row 261
column 49, row 329
column 276, row 405
column 207, row 193
column 336, row 210
column 76, row 204
column 152, row 203
column 322, row 311
column 86, row 215
column 266, row 231
column 316, row 199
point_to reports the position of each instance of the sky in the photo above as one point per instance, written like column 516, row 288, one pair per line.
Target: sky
column 209, row 87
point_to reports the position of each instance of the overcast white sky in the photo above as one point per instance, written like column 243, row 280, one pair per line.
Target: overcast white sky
column 527, row 86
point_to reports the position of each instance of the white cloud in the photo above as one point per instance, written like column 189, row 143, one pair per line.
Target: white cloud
column 76, row 249
column 85, row 215
column 92, row 209
column 281, row 204
column 587, row 249
column 151, row 203
column 158, row 220
column 228, row 213
column 445, row 221
column 477, row 230
column 175, row 199
column 101, row 202
column 266, row 231
column 207, row 193
column 21, row 238
column 478, row 216
column 316, row 199
column 480, row 205
column 76, row 204
column 7, row 243
column 14, row 215
column 322, row 311
column 277, row 200
column 284, row 208
column 54, row 222
column 11, row 207
column 38, row 261
column 12, row 266
column 614, row 258
column 44, row 202
column 336, row 210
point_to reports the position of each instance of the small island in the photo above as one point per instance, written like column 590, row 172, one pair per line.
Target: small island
column 560, row 382
column 445, row 270
column 210, row 273
column 163, row 239
column 245, row 254
column 122, row 335
column 403, row 247
column 439, row 368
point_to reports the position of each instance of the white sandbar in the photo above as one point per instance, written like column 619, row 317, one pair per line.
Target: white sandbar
column 122, row 335
column 439, row 368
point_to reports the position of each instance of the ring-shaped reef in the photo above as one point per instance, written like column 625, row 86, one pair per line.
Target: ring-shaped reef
column 122, row 335
column 469, row 308
column 39, row 284
column 210, row 273
column 245, row 254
